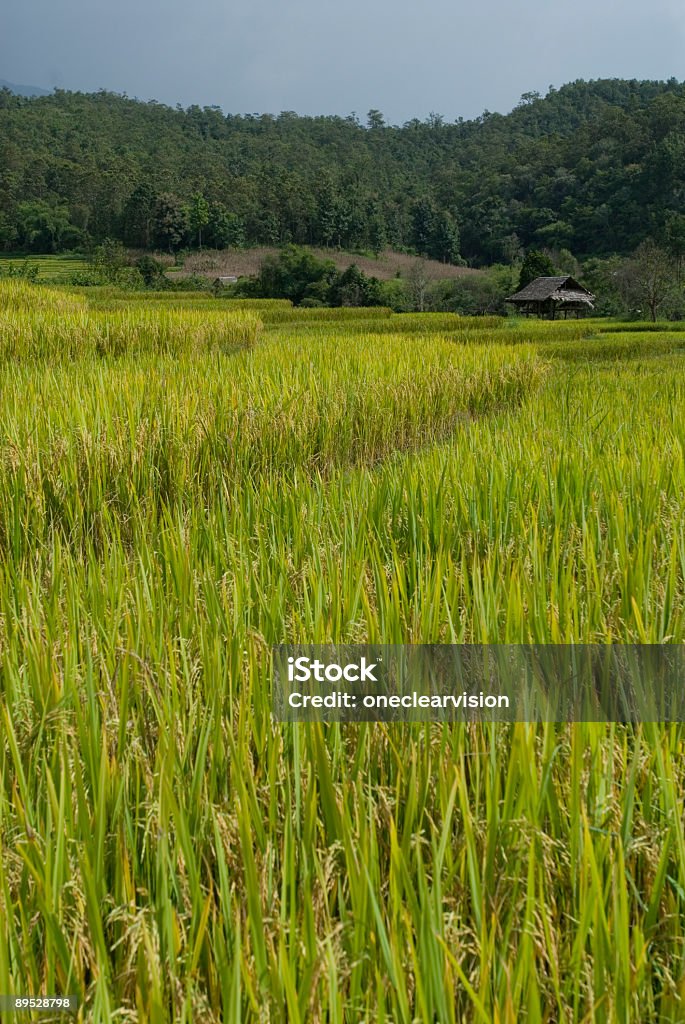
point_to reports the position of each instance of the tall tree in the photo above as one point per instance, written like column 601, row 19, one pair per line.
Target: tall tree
column 535, row 264
column 171, row 222
column 648, row 278
column 139, row 215
column 198, row 215
column 675, row 240
column 374, row 119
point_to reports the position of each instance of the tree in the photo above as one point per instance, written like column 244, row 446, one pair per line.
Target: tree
column 171, row 222
column 327, row 210
column 472, row 295
column 423, row 219
column 45, row 228
column 139, row 215
column 419, row 278
column 535, row 264
column 8, row 231
column 675, row 239
column 377, row 233
column 511, row 249
column 444, row 243
column 225, row 230
column 603, row 279
column 566, row 262
column 374, row 119
column 648, row 278
column 152, row 271
column 198, row 215
column 353, row 288
column 110, row 258
column 434, row 231
column 293, row 274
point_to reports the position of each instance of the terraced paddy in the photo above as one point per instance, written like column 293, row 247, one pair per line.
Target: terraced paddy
column 55, row 269
column 182, row 488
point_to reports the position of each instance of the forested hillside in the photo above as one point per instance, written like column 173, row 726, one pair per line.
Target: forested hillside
column 594, row 167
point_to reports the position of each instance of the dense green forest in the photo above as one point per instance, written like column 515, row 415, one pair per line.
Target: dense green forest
column 593, row 167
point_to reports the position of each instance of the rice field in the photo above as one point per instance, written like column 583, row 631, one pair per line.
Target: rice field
column 181, row 488
column 56, row 269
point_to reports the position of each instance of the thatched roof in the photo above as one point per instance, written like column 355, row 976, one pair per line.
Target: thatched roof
column 558, row 289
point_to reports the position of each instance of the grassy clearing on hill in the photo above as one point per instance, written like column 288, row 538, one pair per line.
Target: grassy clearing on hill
column 389, row 264
column 165, row 516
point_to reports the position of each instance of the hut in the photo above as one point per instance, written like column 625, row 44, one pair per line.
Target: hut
column 552, row 296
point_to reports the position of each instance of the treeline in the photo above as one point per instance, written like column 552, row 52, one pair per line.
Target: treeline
column 594, row 168
column 646, row 285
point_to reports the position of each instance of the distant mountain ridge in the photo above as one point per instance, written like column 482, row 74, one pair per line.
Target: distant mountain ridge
column 23, row 90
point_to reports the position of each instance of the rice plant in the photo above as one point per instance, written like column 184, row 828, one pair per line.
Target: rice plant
column 37, row 324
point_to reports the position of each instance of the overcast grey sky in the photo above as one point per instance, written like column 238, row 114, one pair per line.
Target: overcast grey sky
column 450, row 57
